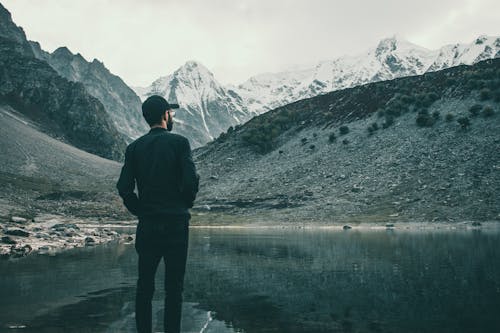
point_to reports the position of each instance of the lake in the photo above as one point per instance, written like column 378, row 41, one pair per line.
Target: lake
column 273, row 280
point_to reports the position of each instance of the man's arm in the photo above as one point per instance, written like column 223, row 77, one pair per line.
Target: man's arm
column 189, row 178
column 126, row 185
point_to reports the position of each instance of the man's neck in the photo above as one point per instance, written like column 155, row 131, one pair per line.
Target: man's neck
column 164, row 126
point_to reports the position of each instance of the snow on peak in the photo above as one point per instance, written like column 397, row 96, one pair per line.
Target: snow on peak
column 392, row 57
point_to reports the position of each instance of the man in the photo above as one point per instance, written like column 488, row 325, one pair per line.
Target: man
column 160, row 164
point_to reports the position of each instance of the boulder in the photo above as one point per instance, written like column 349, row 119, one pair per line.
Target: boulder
column 16, row 232
column 89, row 241
column 63, row 226
column 8, row 240
column 17, row 219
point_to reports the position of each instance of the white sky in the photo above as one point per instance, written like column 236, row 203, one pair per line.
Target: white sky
column 235, row 39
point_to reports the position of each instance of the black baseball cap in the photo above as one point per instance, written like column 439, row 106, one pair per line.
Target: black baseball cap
column 156, row 103
column 154, row 108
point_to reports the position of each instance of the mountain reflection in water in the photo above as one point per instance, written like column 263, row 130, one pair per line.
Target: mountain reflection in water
column 273, row 280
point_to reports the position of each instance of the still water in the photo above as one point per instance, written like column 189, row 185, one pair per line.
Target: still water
column 271, row 280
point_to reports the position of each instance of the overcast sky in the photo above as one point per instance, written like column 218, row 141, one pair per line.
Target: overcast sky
column 235, row 39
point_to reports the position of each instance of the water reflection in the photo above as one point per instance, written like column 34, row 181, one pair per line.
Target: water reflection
column 257, row 280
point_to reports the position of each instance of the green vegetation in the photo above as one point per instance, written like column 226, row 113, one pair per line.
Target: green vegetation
column 343, row 130
column 464, row 122
column 475, row 109
column 372, row 128
column 496, row 96
column 488, row 112
column 424, row 119
column 332, row 137
column 388, row 122
column 388, row 100
column 485, row 94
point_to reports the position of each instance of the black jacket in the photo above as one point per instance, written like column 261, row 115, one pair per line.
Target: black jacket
column 161, row 165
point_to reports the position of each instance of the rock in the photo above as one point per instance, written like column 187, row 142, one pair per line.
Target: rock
column 16, row 232
column 213, row 177
column 42, row 235
column 356, row 188
column 346, row 227
column 89, row 241
column 8, row 240
column 63, row 226
column 128, row 238
column 17, row 219
column 20, row 251
column 389, row 225
column 476, row 224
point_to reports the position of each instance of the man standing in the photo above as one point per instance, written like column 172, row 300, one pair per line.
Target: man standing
column 160, row 164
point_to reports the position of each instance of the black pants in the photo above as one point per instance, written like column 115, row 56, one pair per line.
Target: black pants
column 159, row 238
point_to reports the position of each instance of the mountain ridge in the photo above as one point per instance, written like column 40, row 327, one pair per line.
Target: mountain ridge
column 119, row 100
column 413, row 149
column 207, row 108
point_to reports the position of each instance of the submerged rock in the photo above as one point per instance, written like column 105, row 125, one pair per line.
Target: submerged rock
column 63, row 226
column 89, row 241
column 16, row 232
column 20, row 251
column 8, row 240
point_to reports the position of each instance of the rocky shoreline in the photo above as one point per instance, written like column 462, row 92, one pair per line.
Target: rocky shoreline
column 48, row 234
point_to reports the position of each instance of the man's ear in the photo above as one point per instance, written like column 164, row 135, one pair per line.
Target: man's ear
column 165, row 116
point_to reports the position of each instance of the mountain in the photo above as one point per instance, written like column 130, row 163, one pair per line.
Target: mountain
column 42, row 175
column 391, row 58
column 62, row 108
column 120, row 102
column 417, row 148
column 207, row 108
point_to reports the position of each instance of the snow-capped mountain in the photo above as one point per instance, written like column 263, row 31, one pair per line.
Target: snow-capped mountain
column 391, row 58
column 120, row 101
column 207, row 108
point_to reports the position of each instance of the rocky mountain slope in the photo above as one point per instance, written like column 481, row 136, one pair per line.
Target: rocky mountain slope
column 391, row 58
column 420, row 148
column 120, row 102
column 207, row 108
column 62, row 108
column 53, row 194
column 40, row 174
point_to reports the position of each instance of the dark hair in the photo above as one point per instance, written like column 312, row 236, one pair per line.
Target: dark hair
column 153, row 109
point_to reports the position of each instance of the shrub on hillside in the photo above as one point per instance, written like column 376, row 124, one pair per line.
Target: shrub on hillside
column 475, row 109
column 496, row 96
column 424, row 119
column 485, row 94
column 449, row 117
column 388, row 122
column 372, row 128
column 332, row 137
column 488, row 112
column 343, row 130
column 464, row 122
